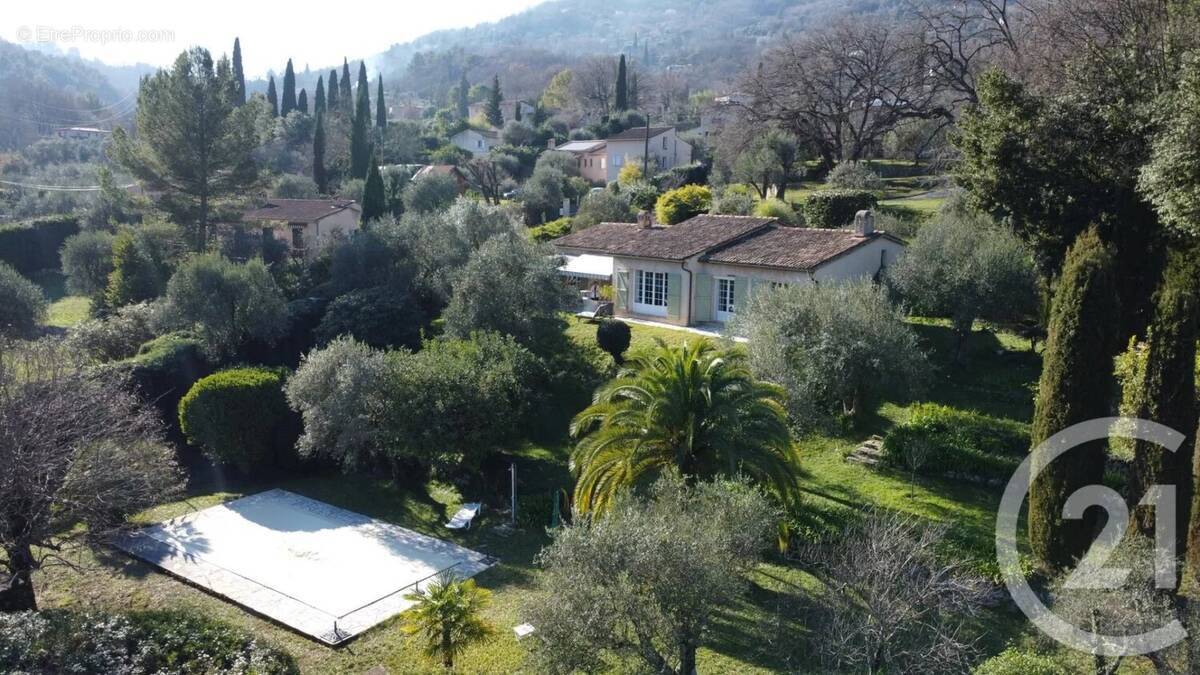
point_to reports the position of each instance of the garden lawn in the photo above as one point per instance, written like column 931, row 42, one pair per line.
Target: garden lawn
column 64, row 310
column 996, row 377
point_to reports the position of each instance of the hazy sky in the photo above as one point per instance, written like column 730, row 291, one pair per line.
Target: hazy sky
column 317, row 34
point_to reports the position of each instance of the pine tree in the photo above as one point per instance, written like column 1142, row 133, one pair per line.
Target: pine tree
column 302, row 101
column 239, row 76
column 374, row 202
column 1167, row 391
column 288, row 103
column 332, row 103
column 1074, row 387
column 464, row 92
column 646, row 52
column 495, row 116
column 380, row 106
column 319, row 96
column 622, row 102
column 360, row 145
column 272, row 98
column 319, row 176
column 633, row 91
column 345, row 94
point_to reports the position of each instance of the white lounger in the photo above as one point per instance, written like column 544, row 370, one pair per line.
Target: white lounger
column 462, row 519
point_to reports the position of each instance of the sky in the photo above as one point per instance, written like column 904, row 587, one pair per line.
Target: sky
column 316, row 34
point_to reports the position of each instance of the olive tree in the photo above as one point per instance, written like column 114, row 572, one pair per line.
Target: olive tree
column 22, row 303
column 76, row 448
column 832, row 346
column 226, row 303
column 644, row 581
column 965, row 267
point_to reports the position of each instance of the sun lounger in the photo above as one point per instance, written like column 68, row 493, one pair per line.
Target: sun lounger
column 462, row 519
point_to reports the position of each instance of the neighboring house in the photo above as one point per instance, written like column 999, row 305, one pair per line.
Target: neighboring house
column 444, row 170
column 720, row 112
column 666, row 150
column 703, row 269
column 508, row 110
column 81, row 132
column 475, row 141
column 591, row 156
column 305, row 224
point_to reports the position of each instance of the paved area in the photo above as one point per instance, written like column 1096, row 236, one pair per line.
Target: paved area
column 326, row 572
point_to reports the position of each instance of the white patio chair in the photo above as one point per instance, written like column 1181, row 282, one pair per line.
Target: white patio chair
column 462, row 519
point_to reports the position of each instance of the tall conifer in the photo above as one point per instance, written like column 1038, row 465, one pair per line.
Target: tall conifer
column 332, row 103
column 319, row 176
column 380, row 106
column 272, row 97
column 360, row 145
column 374, row 202
column 319, row 96
column 288, row 103
column 345, row 94
column 302, row 101
column 239, row 76
column 495, row 116
column 622, row 101
column 464, row 92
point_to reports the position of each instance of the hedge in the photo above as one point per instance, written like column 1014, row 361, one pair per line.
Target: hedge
column 680, row 204
column 241, row 417
column 164, row 369
column 181, row 643
column 33, row 245
column 550, row 230
column 836, row 208
column 960, row 443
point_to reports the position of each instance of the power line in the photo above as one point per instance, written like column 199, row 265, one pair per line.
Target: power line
column 65, row 122
column 63, row 188
column 118, row 104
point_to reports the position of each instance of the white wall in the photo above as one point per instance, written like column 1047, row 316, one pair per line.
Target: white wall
column 677, row 153
column 472, row 141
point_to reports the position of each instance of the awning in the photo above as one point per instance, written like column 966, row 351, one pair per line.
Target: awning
column 587, row 266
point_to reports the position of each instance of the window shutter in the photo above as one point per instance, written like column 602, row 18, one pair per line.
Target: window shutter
column 702, row 301
column 621, row 296
column 741, row 292
column 673, row 291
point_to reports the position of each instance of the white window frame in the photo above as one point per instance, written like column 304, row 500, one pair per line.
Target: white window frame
column 650, row 292
column 727, row 314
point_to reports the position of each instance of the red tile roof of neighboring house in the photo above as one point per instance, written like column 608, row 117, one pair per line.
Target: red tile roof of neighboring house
column 638, row 133
column 298, row 210
column 677, row 242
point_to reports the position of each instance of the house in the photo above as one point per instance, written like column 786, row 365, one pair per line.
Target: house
column 591, row 156
column 720, row 112
column 444, row 170
column 475, row 141
column 508, row 110
column 305, row 225
column 81, row 132
column 666, row 150
column 702, row 270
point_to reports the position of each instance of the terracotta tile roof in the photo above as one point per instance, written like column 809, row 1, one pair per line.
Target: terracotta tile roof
column 794, row 248
column 676, row 242
column 638, row 133
column 298, row 210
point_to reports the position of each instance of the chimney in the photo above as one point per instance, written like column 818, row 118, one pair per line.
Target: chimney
column 864, row 222
column 551, row 143
column 645, row 219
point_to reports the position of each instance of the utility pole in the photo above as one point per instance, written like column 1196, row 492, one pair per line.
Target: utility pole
column 512, row 469
column 646, row 150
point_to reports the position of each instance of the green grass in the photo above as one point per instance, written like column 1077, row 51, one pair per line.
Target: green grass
column 64, row 310
column 641, row 336
column 996, row 377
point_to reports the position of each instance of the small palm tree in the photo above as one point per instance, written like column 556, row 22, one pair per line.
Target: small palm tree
column 691, row 408
column 447, row 616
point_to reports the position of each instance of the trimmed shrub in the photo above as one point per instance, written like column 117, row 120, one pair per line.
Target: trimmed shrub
column 836, row 208
column 33, row 245
column 181, row 643
column 958, row 442
column 1015, row 662
column 854, row 176
column 381, row 317
column 613, row 337
column 241, row 417
column 22, row 303
column 678, row 205
column 164, row 369
column 551, row 230
column 778, row 209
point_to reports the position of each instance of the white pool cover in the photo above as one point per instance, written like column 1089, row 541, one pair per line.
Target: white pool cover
column 324, row 571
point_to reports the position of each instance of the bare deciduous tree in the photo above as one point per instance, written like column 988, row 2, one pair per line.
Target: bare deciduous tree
column 594, row 83
column 891, row 606
column 841, row 89
column 487, row 174
column 77, row 448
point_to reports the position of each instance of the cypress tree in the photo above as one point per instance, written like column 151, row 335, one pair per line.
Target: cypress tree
column 360, row 146
column 239, row 76
column 319, row 96
column 380, row 106
column 288, row 103
column 633, row 90
column 1168, row 391
column 272, row 98
column 302, row 101
column 495, row 116
column 332, row 103
column 464, row 92
column 517, row 110
column 1072, row 389
column 319, row 176
column 622, row 86
column 345, row 94
column 374, row 203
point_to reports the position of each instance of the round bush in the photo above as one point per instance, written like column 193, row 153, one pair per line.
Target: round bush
column 380, row 316
column 87, row 260
column 613, row 337
column 677, row 206
column 836, row 208
column 240, row 417
column 22, row 303
column 854, row 176
column 777, row 209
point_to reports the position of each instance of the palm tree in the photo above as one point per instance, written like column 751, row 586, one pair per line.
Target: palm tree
column 691, row 408
column 447, row 616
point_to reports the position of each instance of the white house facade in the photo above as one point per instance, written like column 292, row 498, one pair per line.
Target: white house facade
column 476, row 142
column 702, row 270
column 305, row 225
column 666, row 150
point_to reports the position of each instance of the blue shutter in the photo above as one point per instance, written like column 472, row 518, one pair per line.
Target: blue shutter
column 702, row 298
column 673, row 294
